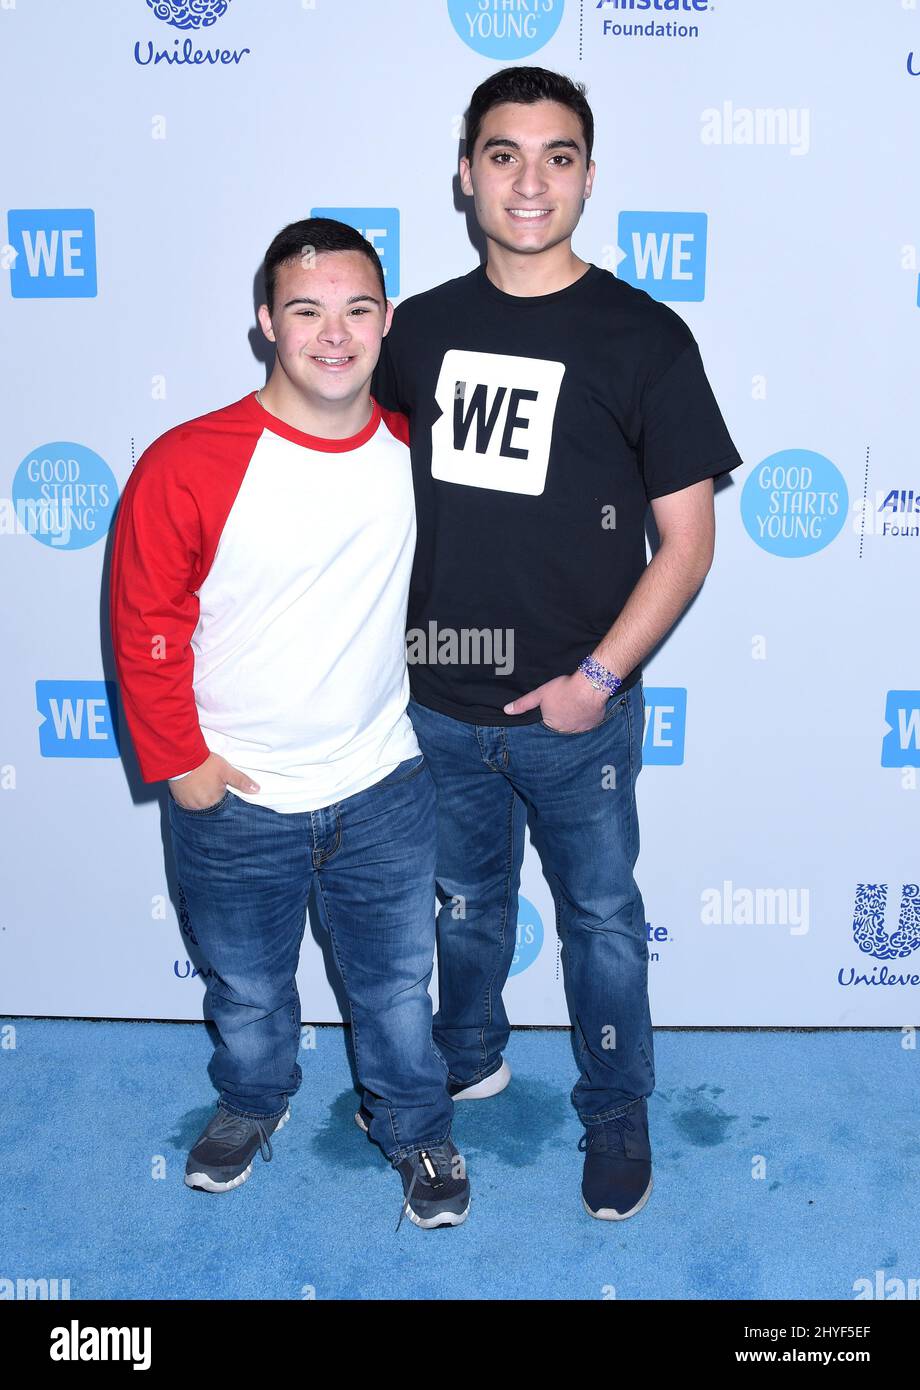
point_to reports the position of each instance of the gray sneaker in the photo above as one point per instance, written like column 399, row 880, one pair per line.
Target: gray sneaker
column 222, row 1155
column 435, row 1187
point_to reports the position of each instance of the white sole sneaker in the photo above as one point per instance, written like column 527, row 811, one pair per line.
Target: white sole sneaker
column 480, row 1090
column 447, row 1218
column 207, row 1184
column 490, row 1086
column 609, row 1214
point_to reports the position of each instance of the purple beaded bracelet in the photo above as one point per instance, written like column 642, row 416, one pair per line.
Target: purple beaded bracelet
column 599, row 676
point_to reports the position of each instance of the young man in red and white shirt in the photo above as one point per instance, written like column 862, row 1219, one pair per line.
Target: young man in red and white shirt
column 258, row 598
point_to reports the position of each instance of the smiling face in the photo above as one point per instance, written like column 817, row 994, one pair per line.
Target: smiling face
column 529, row 175
column 327, row 323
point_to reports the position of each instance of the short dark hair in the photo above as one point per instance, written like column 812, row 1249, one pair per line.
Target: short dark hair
column 316, row 234
column 528, row 85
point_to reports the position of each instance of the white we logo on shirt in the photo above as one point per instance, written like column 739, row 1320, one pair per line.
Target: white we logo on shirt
column 496, row 422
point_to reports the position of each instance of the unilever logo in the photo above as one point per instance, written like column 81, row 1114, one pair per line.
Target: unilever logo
column 187, row 15
column 193, row 14
column 794, row 503
column 187, row 971
column 505, row 28
column 869, row 930
column 875, row 939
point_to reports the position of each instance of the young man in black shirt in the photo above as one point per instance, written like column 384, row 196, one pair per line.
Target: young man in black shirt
column 549, row 404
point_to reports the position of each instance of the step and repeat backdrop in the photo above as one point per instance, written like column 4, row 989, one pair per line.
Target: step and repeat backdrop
column 755, row 171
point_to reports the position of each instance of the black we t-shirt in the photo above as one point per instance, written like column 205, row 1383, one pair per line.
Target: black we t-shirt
column 540, row 428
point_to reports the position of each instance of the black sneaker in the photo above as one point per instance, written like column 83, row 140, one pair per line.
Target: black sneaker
column 222, row 1155
column 617, row 1180
column 436, row 1188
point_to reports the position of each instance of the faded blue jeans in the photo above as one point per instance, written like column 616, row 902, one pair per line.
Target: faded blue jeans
column 577, row 792
column 245, row 873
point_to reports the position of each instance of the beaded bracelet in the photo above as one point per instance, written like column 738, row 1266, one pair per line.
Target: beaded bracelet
column 598, row 675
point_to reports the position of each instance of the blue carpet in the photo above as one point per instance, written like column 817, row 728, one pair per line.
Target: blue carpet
column 94, row 1110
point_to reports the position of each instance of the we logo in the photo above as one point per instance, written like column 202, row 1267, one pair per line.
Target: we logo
column 665, row 725
column 901, row 746
column 663, row 253
column 79, row 719
column 379, row 226
column 496, row 422
column 55, row 253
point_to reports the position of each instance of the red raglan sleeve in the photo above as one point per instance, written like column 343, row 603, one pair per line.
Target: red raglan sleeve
column 153, row 611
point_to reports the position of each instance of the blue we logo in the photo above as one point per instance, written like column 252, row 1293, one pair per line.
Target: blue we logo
column 54, row 253
column 665, row 725
column 901, row 746
column 79, row 719
column 663, row 253
column 379, row 226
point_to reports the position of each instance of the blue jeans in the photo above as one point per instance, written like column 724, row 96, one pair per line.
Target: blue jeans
column 245, row 873
column 577, row 793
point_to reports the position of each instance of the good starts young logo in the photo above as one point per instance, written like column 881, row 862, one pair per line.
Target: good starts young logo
column 529, row 938
column 505, row 29
column 64, row 495
column 794, row 503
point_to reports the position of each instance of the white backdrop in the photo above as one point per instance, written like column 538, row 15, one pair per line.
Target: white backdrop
column 756, row 170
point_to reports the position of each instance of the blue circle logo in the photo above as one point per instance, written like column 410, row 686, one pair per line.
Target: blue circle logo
column 64, row 495
column 529, row 941
column 794, row 503
column 505, row 28
column 189, row 14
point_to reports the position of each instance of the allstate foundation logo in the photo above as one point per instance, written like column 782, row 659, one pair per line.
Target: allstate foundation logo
column 903, row 505
column 505, row 28
column 869, row 930
column 529, row 941
column 794, row 503
column 64, row 495
column 195, row 14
